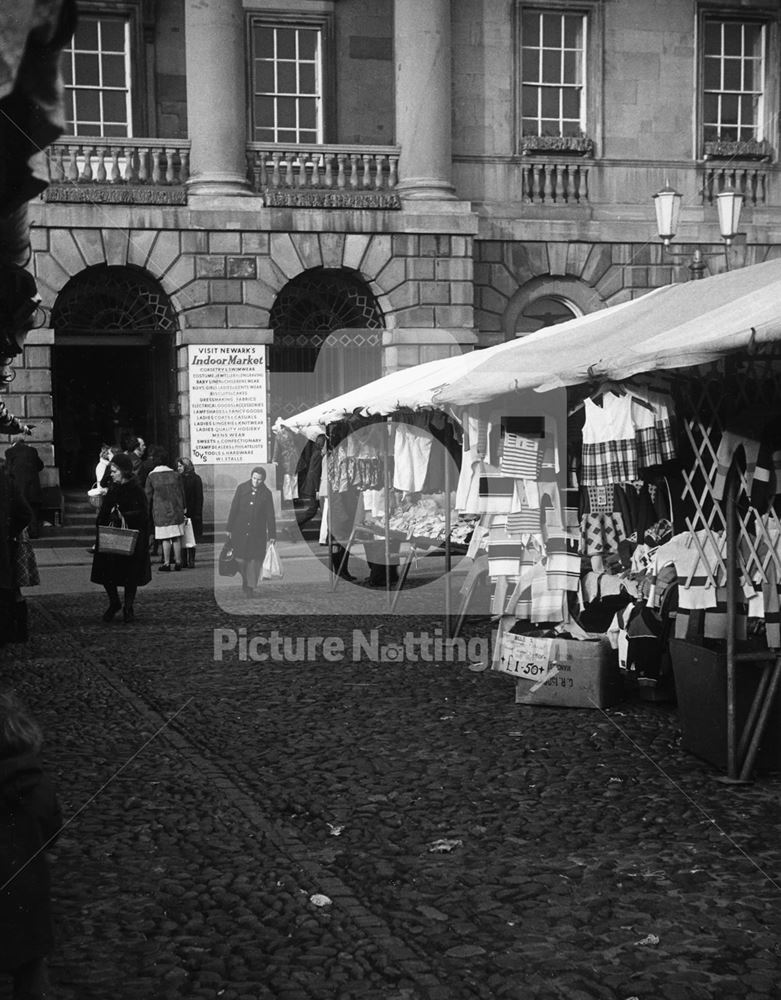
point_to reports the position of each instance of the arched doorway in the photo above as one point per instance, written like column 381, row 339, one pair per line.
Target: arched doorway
column 327, row 339
column 114, row 343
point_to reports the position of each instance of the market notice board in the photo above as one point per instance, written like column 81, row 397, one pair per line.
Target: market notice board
column 228, row 411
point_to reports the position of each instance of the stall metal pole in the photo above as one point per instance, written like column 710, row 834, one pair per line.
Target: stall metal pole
column 386, row 469
column 448, row 554
column 732, row 602
column 326, row 459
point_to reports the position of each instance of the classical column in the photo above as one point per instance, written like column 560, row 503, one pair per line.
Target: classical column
column 423, row 97
column 216, row 98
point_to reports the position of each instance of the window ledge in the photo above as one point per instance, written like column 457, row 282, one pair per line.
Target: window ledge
column 536, row 145
column 747, row 150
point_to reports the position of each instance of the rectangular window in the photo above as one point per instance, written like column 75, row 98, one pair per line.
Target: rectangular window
column 286, row 63
column 96, row 72
column 733, row 78
column 553, row 97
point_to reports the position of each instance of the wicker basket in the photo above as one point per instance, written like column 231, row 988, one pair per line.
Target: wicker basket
column 95, row 496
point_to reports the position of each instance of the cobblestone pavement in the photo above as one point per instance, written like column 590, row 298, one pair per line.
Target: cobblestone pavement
column 391, row 831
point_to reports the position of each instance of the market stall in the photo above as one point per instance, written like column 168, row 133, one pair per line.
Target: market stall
column 694, row 369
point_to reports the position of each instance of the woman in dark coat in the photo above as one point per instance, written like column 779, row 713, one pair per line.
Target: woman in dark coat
column 251, row 525
column 130, row 572
column 14, row 517
column 193, row 502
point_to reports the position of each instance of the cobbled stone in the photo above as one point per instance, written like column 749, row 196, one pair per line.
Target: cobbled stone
column 190, row 873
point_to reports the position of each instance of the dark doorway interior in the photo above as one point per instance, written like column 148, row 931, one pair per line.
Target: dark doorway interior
column 86, row 380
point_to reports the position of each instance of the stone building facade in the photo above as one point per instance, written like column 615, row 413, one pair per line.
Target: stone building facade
column 436, row 177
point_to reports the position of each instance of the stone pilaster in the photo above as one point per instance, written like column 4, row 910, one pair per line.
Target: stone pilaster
column 216, row 97
column 423, row 98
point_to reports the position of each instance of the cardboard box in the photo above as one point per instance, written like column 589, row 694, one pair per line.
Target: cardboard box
column 565, row 672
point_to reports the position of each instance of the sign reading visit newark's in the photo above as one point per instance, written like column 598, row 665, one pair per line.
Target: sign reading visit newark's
column 228, row 417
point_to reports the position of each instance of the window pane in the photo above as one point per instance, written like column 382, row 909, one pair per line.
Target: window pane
column 712, row 74
column 732, row 39
column 308, row 136
column 112, row 35
column 571, row 67
column 86, row 36
column 712, row 37
column 264, row 112
column 286, row 111
column 264, row 42
column 550, row 103
column 551, row 67
column 87, row 105
column 530, row 28
column 87, row 69
column 729, row 109
column 710, row 108
column 571, row 104
column 113, row 71
column 287, row 135
column 529, row 126
column 307, row 113
column 548, row 127
column 110, row 131
column 307, row 81
column 751, row 75
column 66, row 67
column 571, row 128
column 752, row 39
column 531, row 65
column 286, row 78
column 529, row 102
column 264, row 77
column 264, row 135
column 88, row 128
column 731, row 74
column 114, row 106
column 307, row 44
column 286, row 43
column 748, row 111
column 551, row 30
column 572, row 32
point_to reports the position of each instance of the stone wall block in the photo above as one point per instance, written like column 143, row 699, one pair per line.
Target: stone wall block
column 195, row 293
column 332, row 249
column 115, row 242
column 39, row 238
column 205, row 316
column 181, row 273
column 598, row 263
column 422, row 316
column 165, row 251
column 33, row 380
column 377, row 256
column 283, row 253
column 355, row 246
column 462, row 292
column 225, row 291
column 65, row 250
column 37, row 357
column 491, row 300
column 421, row 268
column 195, row 241
column 488, row 322
column 242, row 267
column 258, row 293
column 247, row 316
column 577, row 257
column 461, row 246
column 557, row 258
column 50, row 276
column 308, row 249
column 436, row 352
column 405, row 245
column 140, row 243
column 453, row 269
column 528, row 260
column 404, row 296
column 225, row 242
column 611, row 283
column 38, row 406
column 502, row 280
column 210, row 267
column 454, row 316
column 434, row 292
column 489, row 250
column 256, row 243
column 392, row 275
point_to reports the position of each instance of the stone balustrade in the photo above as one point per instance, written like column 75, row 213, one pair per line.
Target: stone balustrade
column 749, row 179
column 125, row 170
column 559, row 182
column 324, row 176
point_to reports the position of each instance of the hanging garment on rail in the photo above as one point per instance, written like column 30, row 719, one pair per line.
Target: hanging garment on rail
column 609, row 446
column 411, row 454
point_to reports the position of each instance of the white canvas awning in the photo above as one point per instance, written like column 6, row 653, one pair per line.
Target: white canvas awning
column 672, row 327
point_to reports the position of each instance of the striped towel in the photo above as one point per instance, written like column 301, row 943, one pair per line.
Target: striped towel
column 521, row 456
column 495, row 493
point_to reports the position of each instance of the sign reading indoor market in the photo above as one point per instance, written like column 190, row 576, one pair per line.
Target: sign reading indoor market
column 228, row 416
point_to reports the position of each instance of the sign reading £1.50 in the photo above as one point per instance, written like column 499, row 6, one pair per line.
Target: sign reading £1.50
column 228, row 415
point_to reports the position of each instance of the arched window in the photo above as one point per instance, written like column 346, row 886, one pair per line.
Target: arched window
column 547, row 310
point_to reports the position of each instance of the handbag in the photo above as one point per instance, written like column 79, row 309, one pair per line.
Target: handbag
column 227, row 565
column 272, row 566
column 189, row 534
column 25, row 567
column 117, row 541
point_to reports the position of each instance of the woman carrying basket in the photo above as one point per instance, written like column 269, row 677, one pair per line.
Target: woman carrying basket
column 127, row 571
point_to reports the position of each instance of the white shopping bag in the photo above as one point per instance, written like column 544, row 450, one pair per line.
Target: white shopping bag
column 272, row 566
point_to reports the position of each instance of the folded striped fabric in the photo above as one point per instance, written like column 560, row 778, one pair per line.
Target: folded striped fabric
column 521, row 456
column 505, row 557
column 495, row 493
column 563, row 561
column 547, row 605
